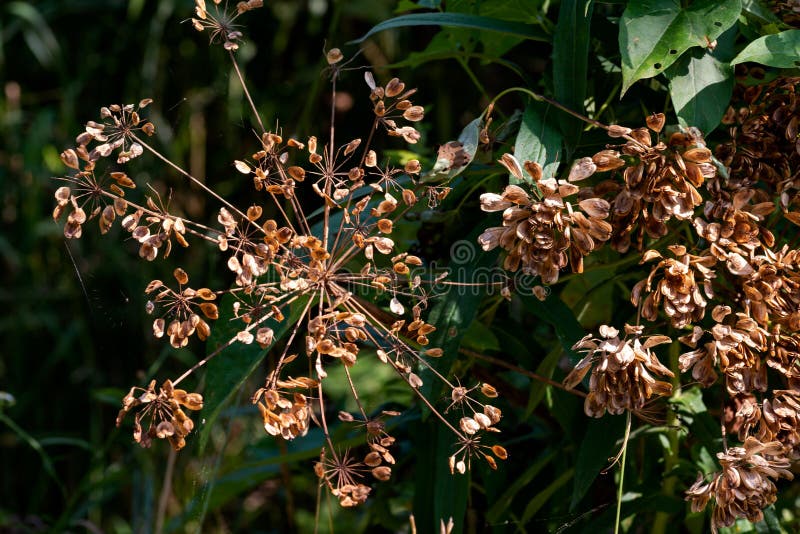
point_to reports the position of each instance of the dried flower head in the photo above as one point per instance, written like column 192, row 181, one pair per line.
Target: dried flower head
column 164, row 409
column 621, row 376
column 679, row 285
column 220, row 21
column 543, row 232
column 312, row 252
column 746, row 484
column 659, row 179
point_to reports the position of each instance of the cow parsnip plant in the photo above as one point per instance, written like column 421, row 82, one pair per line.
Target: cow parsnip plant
column 632, row 323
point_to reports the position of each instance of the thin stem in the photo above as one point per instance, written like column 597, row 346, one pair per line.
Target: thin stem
column 622, row 472
column 324, row 422
column 197, row 182
column 318, row 506
column 404, row 346
column 464, row 65
column 671, row 456
column 231, row 341
column 355, row 393
column 330, row 167
column 282, row 359
column 246, row 92
column 166, row 489
column 165, row 216
column 405, row 379
column 520, row 370
column 537, row 96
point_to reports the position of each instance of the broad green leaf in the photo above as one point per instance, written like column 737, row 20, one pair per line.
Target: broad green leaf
column 570, row 63
column 459, row 20
column 481, row 338
column 770, row 524
column 538, row 139
column 528, row 11
column 701, row 87
column 693, row 412
column 226, row 372
column 653, row 34
column 37, row 33
column 599, row 444
column 437, row 493
column 556, row 313
column 410, row 5
column 689, row 401
column 781, row 50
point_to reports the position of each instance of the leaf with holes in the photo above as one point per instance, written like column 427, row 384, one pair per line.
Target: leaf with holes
column 701, row 85
column 653, row 34
column 781, row 50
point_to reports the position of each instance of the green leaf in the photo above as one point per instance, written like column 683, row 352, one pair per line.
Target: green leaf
column 555, row 312
column 700, row 86
column 227, row 372
column 538, row 139
column 438, row 493
column 539, row 388
column 570, row 63
column 653, row 34
column 503, row 503
column 409, row 5
column 597, row 447
column 442, row 171
column 480, row 337
column 460, row 20
column 40, row 39
column 543, row 496
column 757, row 12
column 770, row 524
column 781, row 50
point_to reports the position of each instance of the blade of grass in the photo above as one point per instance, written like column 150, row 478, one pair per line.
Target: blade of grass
column 460, row 20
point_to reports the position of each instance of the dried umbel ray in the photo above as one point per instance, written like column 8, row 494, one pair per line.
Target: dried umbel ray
column 284, row 261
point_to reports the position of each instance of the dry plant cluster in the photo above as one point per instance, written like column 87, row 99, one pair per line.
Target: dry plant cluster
column 733, row 290
column 306, row 271
column 724, row 284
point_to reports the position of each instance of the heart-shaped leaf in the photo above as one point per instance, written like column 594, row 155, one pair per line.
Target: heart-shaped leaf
column 653, row 34
column 701, row 85
column 781, row 50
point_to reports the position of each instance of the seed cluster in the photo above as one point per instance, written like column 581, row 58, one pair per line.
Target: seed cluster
column 723, row 272
column 321, row 264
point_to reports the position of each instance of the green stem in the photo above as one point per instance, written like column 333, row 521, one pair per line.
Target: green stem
column 622, row 472
column 475, row 80
column 671, row 455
